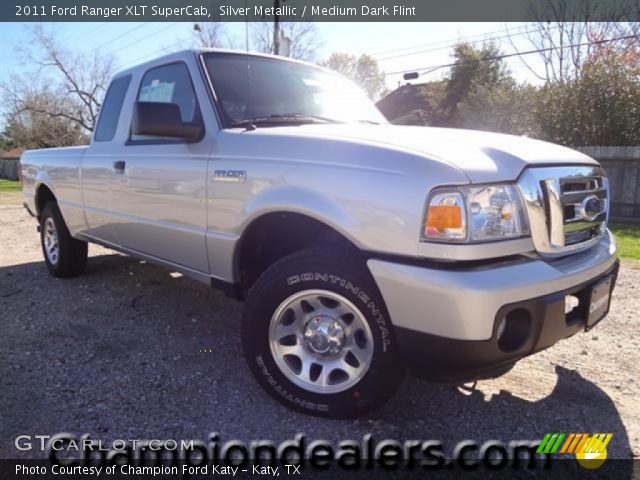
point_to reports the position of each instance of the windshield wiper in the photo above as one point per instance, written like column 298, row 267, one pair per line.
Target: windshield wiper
column 309, row 116
column 282, row 118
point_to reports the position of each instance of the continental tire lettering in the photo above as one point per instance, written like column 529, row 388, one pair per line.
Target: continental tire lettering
column 333, row 279
column 364, row 297
column 293, row 280
column 321, row 407
column 372, row 306
column 353, row 288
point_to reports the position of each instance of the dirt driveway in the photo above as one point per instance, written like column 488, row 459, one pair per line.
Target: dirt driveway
column 129, row 351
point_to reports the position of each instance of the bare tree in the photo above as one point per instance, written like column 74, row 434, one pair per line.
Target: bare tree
column 364, row 70
column 212, row 35
column 30, row 125
column 78, row 80
column 304, row 36
column 565, row 37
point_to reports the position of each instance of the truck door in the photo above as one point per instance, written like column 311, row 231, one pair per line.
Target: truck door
column 159, row 189
column 97, row 165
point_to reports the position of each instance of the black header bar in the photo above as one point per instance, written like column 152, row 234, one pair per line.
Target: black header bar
column 318, row 10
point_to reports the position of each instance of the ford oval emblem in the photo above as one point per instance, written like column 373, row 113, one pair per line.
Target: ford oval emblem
column 591, row 207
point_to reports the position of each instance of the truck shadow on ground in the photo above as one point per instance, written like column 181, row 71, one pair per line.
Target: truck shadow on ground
column 129, row 351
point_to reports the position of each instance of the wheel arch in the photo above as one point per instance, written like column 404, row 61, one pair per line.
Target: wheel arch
column 43, row 195
column 276, row 234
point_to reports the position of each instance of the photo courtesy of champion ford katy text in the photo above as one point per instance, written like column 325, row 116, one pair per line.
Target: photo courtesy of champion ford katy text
column 314, row 238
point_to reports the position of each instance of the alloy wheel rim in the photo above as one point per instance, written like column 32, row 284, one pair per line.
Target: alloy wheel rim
column 51, row 246
column 321, row 341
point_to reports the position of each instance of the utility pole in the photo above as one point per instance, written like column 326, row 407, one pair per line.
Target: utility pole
column 276, row 28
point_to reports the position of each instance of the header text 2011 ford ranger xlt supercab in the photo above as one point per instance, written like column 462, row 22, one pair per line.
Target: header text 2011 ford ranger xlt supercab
column 359, row 247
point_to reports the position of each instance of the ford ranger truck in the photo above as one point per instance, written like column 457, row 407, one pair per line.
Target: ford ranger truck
column 360, row 248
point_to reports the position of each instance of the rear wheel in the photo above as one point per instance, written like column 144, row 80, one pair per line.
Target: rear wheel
column 64, row 255
column 317, row 335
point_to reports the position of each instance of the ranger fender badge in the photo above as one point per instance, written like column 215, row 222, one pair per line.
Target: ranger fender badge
column 229, row 176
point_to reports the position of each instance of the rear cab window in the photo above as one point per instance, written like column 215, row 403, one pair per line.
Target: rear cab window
column 111, row 108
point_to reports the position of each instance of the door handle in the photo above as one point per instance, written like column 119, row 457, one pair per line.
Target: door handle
column 119, row 166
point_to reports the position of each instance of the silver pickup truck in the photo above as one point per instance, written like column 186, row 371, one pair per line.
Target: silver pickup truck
column 360, row 248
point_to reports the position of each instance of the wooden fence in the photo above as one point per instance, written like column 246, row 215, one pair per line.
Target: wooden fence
column 9, row 168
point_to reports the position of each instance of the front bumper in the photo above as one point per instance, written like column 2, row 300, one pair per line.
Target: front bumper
column 446, row 319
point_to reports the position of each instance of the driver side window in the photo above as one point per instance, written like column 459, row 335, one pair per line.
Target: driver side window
column 170, row 84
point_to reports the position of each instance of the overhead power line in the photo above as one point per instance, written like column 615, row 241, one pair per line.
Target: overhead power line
column 128, row 32
column 160, row 50
column 461, row 40
column 450, row 41
column 90, row 31
column 133, row 62
column 432, row 68
column 151, row 54
column 165, row 27
column 505, row 33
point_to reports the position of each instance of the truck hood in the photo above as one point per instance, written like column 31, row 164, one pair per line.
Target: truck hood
column 482, row 156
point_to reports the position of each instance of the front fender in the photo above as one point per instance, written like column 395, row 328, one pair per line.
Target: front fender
column 304, row 201
column 42, row 178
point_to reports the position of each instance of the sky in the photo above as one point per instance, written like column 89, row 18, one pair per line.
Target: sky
column 396, row 46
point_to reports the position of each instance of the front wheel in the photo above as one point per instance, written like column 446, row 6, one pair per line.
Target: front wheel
column 317, row 335
column 64, row 255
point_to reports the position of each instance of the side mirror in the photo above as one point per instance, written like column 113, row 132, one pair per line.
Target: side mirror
column 162, row 120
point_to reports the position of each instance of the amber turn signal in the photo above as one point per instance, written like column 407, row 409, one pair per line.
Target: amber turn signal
column 442, row 217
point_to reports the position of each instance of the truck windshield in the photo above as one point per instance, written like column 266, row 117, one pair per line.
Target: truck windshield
column 266, row 91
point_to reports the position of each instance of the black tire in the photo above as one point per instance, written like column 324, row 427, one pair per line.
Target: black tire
column 346, row 275
column 71, row 258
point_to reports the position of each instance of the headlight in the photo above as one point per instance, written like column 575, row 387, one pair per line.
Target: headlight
column 475, row 214
column 446, row 217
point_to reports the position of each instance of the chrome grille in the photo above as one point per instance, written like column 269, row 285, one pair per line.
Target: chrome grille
column 567, row 207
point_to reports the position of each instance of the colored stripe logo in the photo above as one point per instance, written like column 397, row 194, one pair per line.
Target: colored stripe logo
column 574, row 443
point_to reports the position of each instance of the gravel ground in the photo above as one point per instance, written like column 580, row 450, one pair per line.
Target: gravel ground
column 128, row 351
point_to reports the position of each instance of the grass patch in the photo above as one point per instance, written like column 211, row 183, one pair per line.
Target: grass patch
column 9, row 185
column 628, row 237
